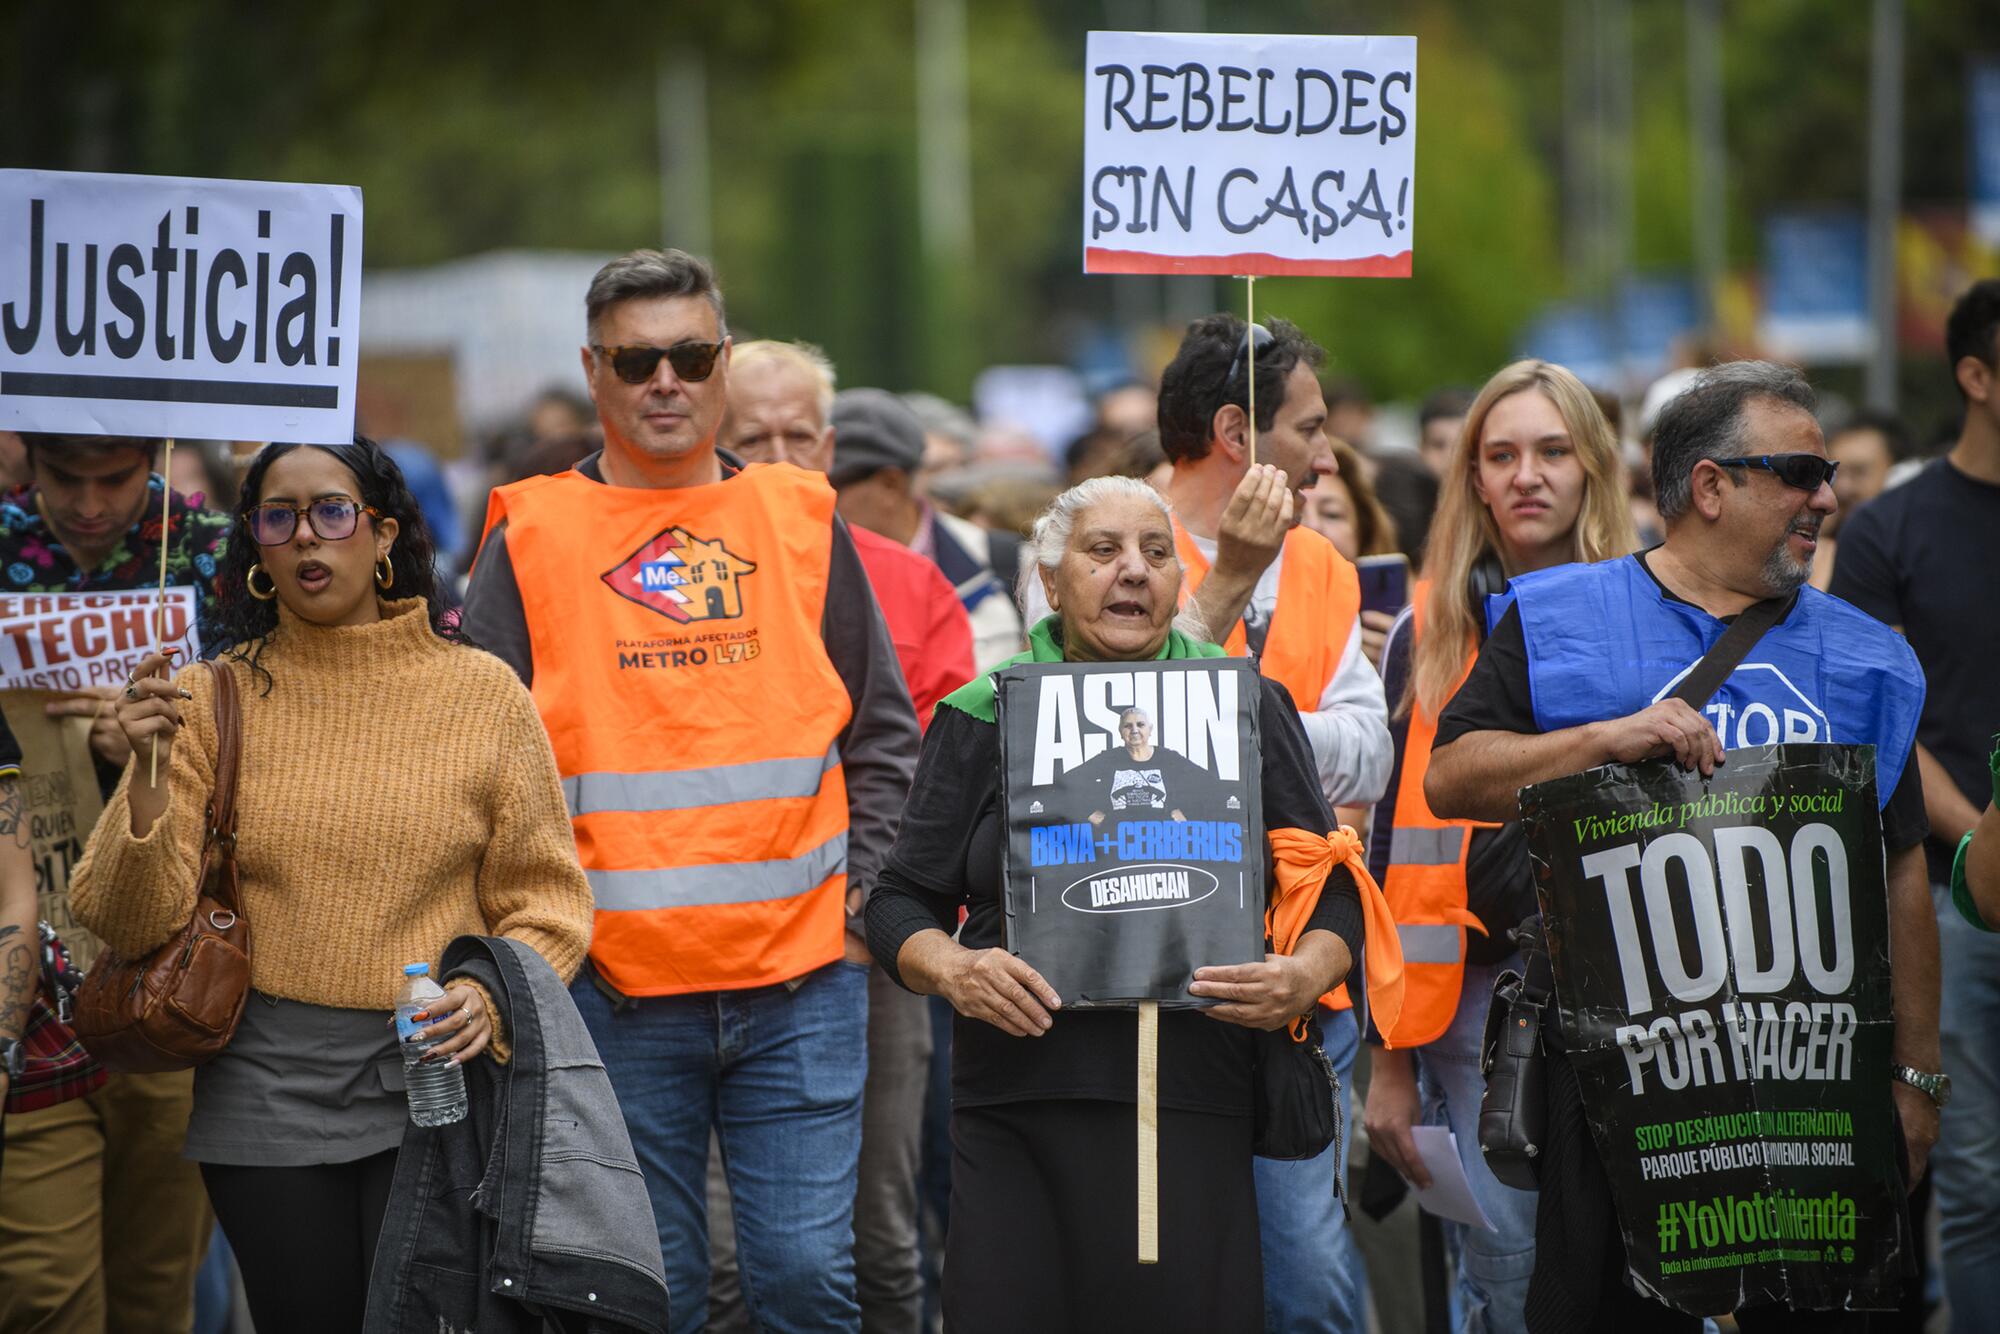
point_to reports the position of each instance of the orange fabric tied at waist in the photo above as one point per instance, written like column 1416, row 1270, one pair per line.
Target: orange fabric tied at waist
column 1304, row 861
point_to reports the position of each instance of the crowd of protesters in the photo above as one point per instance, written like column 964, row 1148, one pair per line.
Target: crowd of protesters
column 746, row 813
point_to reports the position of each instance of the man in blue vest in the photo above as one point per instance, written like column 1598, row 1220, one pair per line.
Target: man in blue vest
column 1580, row 671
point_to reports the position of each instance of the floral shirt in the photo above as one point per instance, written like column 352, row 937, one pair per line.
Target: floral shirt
column 32, row 560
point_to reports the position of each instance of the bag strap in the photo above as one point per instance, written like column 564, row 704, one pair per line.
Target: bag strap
column 1538, row 979
column 1699, row 685
column 228, row 750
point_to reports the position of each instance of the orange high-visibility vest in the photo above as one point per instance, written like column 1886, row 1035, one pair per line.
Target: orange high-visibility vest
column 681, row 673
column 1319, row 595
column 1425, row 882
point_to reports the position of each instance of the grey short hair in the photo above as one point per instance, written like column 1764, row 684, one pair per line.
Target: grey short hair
column 650, row 273
column 1049, row 538
column 805, row 358
column 1053, row 528
column 1705, row 421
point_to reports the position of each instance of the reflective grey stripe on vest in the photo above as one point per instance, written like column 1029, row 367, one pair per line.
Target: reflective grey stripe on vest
column 1426, row 847
column 685, row 789
column 1429, row 944
column 718, row 882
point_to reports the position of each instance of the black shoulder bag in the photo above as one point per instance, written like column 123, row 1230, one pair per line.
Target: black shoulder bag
column 1512, row 1114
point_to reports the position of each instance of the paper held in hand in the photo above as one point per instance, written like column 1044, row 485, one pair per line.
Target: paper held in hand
column 168, row 306
column 1450, row 1193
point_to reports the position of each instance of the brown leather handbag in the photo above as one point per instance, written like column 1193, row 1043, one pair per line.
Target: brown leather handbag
column 178, row 1006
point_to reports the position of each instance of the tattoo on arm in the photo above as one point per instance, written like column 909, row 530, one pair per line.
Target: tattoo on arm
column 17, row 987
column 17, row 961
column 13, row 813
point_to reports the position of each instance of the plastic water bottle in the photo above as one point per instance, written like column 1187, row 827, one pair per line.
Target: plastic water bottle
column 436, row 1088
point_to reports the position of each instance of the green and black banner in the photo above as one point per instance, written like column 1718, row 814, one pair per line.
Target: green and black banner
column 1721, row 953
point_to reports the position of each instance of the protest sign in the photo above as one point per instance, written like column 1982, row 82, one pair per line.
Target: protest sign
column 170, row 306
column 1225, row 154
column 1721, row 952
column 1135, row 836
column 72, row 641
column 60, row 785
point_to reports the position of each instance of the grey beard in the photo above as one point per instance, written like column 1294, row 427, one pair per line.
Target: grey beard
column 1783, row 576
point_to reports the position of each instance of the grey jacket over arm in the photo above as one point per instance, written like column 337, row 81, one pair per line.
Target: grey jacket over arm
column 535, row 1202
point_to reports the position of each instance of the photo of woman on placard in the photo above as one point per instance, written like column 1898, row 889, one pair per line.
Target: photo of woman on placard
column 1146, row 780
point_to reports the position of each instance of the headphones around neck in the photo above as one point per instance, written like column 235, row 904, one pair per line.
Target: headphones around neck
column 1486, row 578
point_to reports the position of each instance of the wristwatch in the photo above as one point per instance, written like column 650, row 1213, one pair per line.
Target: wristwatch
column 13, row 1058
column 1937, row 1086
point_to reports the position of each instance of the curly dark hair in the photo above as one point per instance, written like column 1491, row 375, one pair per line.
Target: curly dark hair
column 246, row 624
column 1197, row 382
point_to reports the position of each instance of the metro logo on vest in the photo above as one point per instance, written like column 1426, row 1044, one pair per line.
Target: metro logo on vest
column 711, row 822
column 683, row 577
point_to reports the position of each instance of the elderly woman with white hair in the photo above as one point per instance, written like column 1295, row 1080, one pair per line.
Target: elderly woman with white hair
column 1044, row 1163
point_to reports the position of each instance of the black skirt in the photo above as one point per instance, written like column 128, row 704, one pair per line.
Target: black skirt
column 1044, row 1222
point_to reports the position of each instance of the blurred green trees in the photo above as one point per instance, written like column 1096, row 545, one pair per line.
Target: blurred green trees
column 523, row 125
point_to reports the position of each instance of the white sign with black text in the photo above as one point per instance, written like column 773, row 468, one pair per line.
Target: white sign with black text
column 171, row 306
column 1238, row 154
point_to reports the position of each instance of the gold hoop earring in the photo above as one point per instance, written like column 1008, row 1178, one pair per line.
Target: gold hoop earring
column 250, row 582
column 385, row 574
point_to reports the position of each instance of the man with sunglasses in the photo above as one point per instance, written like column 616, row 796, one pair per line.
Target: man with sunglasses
column 1924, row 557
column 736, row 743
column 102, row 1223
column 1580, row 671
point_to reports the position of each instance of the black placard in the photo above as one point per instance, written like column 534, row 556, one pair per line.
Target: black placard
column 1721, row 953
column 1135, row 841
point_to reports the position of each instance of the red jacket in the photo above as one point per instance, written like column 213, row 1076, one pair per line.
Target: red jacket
column 932, row 635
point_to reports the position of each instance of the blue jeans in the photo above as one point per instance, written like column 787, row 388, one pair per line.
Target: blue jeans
column 777, row 1073
column 1965, row 1166
column 1310, row 1261
column 1493, row 1267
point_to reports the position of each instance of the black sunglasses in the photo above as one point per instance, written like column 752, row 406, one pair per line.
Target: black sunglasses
column 635, row 365
column 1255, row 339
column 1804, row 471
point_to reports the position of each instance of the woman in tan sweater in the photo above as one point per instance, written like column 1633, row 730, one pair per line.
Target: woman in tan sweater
column 396, row 790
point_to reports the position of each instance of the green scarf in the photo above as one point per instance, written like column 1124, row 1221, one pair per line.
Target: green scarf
column 976, row 696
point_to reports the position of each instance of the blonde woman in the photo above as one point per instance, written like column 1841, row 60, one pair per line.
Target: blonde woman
column 1532, row 481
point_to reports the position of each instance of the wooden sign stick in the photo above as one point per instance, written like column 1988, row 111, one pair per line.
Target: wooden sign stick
column 1250, row 356
column 160, row 613
column 1149, row 1132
